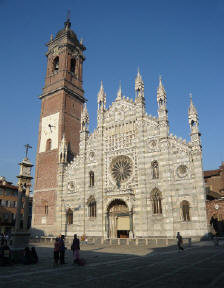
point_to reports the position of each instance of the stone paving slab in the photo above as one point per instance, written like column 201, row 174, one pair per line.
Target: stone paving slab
column 198, row 266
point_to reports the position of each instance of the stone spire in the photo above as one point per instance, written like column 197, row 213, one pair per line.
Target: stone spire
column 101, row 97
column 139, row 90
column 162, row 110
column 119, row 93
column 63, row 150
column 193, row 117
column 192, row 110
column 161, row 94
column 139, row 84
column 84, row 119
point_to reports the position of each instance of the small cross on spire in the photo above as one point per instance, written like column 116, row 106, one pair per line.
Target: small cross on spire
column 68, row 23
column 27, row 148
column 68, row 15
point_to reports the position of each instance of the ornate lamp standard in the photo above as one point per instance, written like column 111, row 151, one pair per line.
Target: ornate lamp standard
column 20, row 238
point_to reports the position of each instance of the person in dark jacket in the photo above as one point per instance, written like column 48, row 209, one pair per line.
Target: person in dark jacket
column 179, row 242
column 75, row 248
column 27, row 260
column 62, row 249
column 56, row 251
column 5, row 254
column 34, row 256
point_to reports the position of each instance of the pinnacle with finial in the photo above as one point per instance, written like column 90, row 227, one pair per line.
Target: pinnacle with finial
column 192, row 108
column 161, row 88
column 138, row 74
column 119, row 92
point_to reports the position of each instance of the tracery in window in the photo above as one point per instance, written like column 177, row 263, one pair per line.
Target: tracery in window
column 91, row 206
column 156, row 198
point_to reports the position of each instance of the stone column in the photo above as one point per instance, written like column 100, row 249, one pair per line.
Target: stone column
column 26, row 208
column 18, row 207
column 131, row 234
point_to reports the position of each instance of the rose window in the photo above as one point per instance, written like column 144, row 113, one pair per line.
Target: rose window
column 121, row 168
column 182, row 171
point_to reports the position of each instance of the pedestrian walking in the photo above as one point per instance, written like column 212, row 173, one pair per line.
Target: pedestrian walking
column 62, row 249
column 56, row 251
column 34, row 255
column 75, row 248
column 27, row 260
column 179, row 242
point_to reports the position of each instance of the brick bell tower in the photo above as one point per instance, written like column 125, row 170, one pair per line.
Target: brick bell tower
column 61, row 105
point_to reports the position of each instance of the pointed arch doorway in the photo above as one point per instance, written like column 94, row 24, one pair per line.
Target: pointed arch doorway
column 118, row 219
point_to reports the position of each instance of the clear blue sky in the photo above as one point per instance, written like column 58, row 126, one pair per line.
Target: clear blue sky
column 183, row 40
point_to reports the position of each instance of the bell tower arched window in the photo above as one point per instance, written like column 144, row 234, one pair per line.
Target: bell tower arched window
column 48, row 145
column 156, row 198
column 73, row 65
column 46, row 209
column 56, row 64
column 155, row 170
column 91, row 178
column 185, row 207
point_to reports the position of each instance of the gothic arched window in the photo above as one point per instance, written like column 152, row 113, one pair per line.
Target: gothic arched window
column 91, row 207
column 156, row 198
column 155, row 170
column 56, row 64
column 91, row 178
column 69, row 217
column 48, row 145
column 73, row 65
column 185, row 207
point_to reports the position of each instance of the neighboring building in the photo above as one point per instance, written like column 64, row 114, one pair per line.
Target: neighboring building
column 214, row 184
column 130, row 177
column 8, row 202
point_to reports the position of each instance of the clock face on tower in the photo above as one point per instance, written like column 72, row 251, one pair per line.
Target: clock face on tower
column 49, row 132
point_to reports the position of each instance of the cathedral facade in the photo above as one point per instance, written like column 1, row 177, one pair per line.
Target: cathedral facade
column 130, row 177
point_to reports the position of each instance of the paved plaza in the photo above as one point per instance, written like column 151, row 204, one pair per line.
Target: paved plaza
column 200, row 265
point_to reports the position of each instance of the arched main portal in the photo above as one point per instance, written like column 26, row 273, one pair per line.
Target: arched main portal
column 118, row 219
